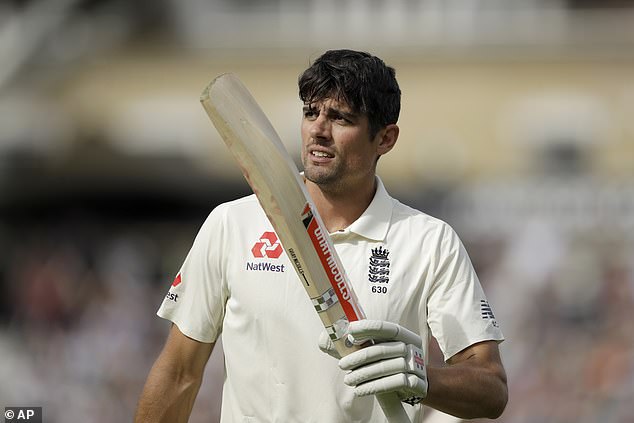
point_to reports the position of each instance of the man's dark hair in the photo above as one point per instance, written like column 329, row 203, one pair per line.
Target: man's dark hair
column 364, row 82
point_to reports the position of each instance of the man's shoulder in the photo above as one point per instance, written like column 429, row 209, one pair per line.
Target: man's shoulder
column 246, row 202
column 241, row 209
column 404, row 211
column 415, row 221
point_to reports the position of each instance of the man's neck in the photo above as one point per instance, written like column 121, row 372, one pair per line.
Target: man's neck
column 339, row 210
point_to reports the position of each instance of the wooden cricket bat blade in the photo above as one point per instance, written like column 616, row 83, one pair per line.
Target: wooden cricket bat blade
column 275, row 180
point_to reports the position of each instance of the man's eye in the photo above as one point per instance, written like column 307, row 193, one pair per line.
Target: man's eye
column 310, row 113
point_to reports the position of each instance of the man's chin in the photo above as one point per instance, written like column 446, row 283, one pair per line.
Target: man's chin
column 319, row 178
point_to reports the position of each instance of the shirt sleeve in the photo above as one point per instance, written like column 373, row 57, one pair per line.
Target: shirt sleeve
column 458, row 312
column 196, row 300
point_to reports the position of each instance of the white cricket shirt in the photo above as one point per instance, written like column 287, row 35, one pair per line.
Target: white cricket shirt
column 405, row 267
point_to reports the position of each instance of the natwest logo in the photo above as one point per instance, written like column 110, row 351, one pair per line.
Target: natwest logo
column 268, row 246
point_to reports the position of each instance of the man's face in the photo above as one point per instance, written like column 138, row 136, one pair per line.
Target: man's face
column 337, row 151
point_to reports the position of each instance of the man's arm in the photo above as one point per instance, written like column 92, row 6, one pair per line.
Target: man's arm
column 472, row 385
column 173, row 382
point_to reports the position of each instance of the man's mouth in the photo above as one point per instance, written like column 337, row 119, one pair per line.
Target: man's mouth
column 321, row 154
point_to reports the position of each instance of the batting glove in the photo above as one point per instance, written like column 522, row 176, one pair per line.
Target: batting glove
column 327, row 346
column 394, row 363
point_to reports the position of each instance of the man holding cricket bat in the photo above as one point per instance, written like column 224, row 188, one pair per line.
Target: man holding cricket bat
column 409, row 271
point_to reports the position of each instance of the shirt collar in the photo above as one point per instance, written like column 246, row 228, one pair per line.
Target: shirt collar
column 375, row 220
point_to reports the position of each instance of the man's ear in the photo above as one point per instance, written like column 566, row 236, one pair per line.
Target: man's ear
column 388, row 137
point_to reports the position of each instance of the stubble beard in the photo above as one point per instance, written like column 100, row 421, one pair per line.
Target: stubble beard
column 327, row 179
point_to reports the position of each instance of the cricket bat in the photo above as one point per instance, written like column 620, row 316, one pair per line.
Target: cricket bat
column 277, row 183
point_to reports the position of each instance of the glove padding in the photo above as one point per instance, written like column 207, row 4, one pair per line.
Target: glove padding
column 327, row 346
column 394, row 363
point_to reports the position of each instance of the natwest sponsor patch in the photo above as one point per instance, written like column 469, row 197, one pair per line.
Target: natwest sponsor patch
column 173, row 296
column 265, row 267
column 268, row 246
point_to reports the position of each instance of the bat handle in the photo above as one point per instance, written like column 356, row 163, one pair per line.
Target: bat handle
column 393, row 408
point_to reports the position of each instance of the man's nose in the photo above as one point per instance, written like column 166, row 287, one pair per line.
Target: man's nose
column 320, row 127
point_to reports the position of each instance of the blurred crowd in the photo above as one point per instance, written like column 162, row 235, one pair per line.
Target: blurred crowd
column 565, row 302
column 79, row 333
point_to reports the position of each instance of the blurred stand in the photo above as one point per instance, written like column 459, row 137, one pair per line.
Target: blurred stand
column 516, row 128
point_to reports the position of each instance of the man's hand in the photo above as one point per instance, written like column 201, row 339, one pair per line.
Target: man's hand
column 394, row 361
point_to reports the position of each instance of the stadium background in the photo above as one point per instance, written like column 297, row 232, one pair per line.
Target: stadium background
column 517, row 128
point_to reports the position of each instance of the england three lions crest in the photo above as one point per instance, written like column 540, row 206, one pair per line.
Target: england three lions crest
column 379, row 269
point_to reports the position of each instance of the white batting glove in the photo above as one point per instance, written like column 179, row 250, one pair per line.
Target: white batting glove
column 394, row 363
column 326, row 345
